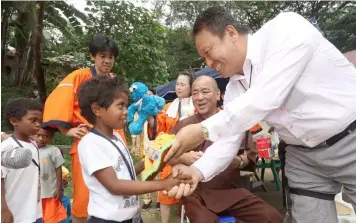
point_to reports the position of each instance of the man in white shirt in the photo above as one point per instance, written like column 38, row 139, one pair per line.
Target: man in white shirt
column 288, row 74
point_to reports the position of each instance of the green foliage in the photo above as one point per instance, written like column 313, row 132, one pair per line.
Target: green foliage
column 60, row 139
column 180, row 51
column 8, row 92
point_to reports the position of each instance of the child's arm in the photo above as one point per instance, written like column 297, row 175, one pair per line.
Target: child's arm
column 58, row 161
column 58, row 192
column 140, row 166
column 6, row 215
column 107, row 177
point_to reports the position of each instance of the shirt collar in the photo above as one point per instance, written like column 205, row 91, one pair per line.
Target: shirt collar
column 250, row 58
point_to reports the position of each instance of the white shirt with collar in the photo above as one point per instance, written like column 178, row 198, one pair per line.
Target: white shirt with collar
column 301, row 84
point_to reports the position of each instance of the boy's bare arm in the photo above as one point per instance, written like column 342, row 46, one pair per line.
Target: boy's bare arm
column 107, row 177
column 140, row 166
column 58, row 193
column 6, row 215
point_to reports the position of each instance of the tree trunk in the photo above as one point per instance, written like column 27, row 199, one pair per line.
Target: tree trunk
column 36, row 47
column 4, row 35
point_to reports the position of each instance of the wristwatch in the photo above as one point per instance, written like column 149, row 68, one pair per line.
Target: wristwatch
column 205, row 132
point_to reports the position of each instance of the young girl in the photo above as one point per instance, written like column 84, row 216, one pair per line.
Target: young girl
column 51, row 161
column 107, row 167
column 181, row 108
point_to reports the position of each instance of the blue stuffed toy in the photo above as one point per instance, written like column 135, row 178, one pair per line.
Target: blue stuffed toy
column 145, row 105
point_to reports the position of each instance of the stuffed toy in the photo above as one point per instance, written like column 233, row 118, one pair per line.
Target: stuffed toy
column 154, row 155
column 145, row 105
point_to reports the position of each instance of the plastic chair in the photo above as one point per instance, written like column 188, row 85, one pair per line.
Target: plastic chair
column 67, row 206
column 227, row 219
column 273, row 165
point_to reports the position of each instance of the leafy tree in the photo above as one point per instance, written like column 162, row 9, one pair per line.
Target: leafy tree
column 336, row 18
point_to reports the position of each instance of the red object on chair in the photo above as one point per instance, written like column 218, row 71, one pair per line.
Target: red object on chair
column 264, row 147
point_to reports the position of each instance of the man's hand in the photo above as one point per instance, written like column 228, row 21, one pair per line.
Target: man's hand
column 6, row 215
column 189, row 158
column 171, row 182
column 187, row 138
column 77, row 132
column 185, row 189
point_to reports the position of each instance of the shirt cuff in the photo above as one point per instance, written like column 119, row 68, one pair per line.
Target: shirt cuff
column 203, row 167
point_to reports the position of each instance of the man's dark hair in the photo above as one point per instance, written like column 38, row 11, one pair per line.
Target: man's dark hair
column 101, row 43
column 101, row 90
column 18, row 108
column 215, row 19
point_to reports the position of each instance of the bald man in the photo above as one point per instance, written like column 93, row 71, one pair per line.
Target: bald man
column 221, row 195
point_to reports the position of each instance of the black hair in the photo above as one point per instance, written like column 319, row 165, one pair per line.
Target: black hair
column 18, row 108
column 101, row 90
column 215, row 19
column 101, row 43
column 154, row 92
column 190, row 75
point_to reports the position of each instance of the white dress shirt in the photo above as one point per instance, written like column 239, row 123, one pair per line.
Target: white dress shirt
column 301, row 84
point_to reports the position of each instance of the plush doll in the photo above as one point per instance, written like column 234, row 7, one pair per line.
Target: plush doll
column 145, row 105
column 155, row 155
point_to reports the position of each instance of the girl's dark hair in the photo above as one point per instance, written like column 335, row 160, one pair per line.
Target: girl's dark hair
column 189, row 74
column 101, row 43
column 101, row 90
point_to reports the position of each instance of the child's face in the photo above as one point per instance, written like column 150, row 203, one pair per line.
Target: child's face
column 43, row 137
column 115, row 115
column 29, row 124
column 104, row 61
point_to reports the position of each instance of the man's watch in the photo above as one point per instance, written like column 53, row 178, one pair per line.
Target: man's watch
column 205, row 132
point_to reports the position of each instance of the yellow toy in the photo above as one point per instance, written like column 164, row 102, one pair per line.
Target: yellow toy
column 65, row 173
column 154, row 155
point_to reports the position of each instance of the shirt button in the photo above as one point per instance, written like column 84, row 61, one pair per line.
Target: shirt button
column 219, row 134
column 291, row 126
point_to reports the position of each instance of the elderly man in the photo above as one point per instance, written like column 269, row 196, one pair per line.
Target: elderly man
column 222, row 195
column 290, row 75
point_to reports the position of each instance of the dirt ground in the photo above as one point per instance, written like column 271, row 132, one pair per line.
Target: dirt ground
column 273, row 197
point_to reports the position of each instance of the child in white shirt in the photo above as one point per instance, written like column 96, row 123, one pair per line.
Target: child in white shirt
column 20, row 188
column 107, row 167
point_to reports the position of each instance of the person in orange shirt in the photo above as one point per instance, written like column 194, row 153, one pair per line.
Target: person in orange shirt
column 62, row 112
column 181, row 108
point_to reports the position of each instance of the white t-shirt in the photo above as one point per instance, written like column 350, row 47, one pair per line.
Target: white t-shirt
column 96, row 153
column 21, row 186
